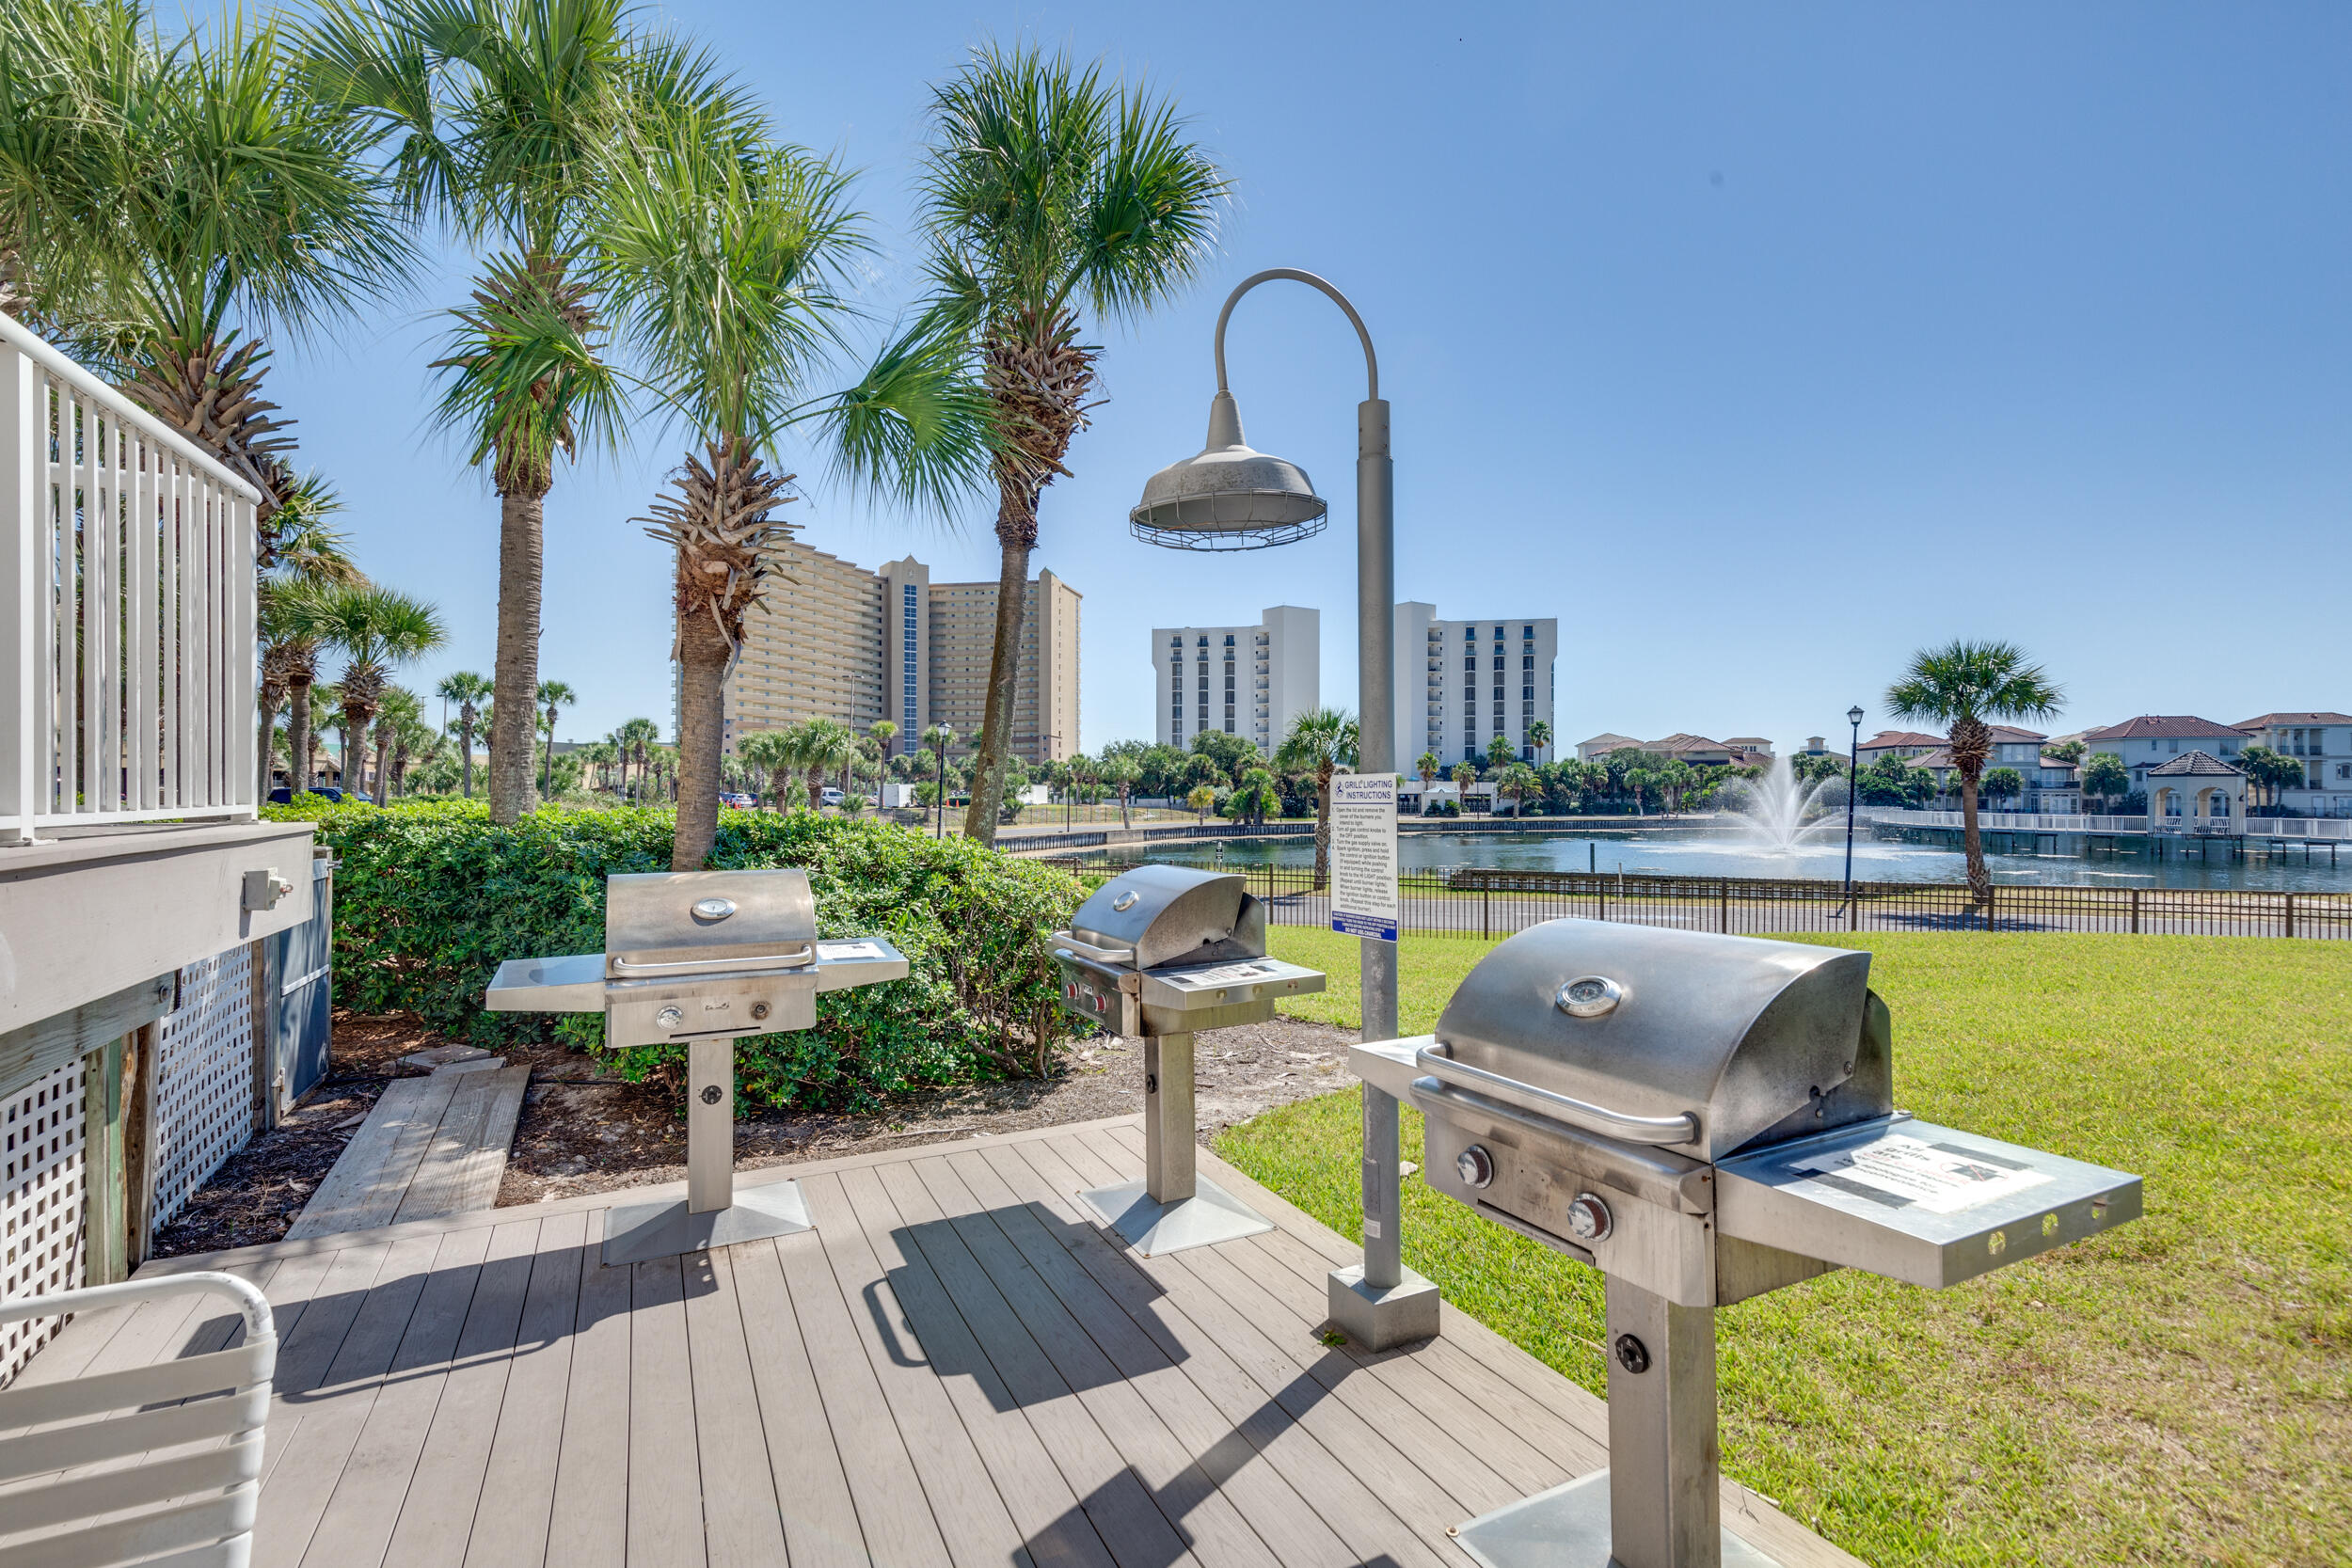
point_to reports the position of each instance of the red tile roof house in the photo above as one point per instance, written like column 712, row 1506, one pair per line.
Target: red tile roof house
column 2323, row 743
column 2153, row 739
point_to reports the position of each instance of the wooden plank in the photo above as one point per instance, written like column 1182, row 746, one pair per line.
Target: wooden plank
column 1260, row 1491
column 436, row 1518
column 820, row 1524
column 1137, row 1482
column 1043, row 1507
column 1425, row 1506
column 973, row 1523
column 1364, row 1521
column 355, row 1520
column 899, row 1527
column 35, row 1049
column 587, row 1203
column 589, row 1523
column 742, row 1525
column 471, row 1142
column 359, row 1317
column 369, row 1179
column 510, row 1521
column 665, row 1495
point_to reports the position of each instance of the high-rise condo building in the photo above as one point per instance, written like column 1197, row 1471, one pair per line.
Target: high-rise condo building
column 1461, row 682
column 840, row 642
column 1250, row 681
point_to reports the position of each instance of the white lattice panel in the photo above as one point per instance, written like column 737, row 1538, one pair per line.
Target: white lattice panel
column 41, row 1205
column 205, row 1078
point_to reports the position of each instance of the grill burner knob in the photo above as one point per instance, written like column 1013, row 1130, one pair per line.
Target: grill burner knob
column 670, row 1017
column 1474, row 1165
column 1588, row 1218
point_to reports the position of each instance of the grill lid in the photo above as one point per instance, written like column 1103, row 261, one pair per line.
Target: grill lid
column 1742, row 1033
column 674, row 922
column 1169, row 914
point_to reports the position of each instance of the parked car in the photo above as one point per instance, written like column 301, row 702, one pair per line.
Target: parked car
column 736, row 799
column 282, row 795
column 831, row 796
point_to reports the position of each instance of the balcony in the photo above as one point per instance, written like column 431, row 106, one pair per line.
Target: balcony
column 128, row 775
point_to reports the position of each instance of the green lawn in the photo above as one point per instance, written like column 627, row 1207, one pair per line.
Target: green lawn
column 2179, row 1391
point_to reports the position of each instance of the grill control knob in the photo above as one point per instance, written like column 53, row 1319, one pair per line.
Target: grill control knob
column 1588, row 1218
column 670, row 1017
column 1474, row 1165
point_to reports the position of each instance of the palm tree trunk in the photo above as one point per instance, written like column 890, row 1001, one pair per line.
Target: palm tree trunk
column 515, row 710
column 298, row 740
column 547, row 765
column 268, row 718
column 702, row 673
column 1972, row 843
column 1323, row 828
column 465, row 738
column 1004, row 675
column 383, row 748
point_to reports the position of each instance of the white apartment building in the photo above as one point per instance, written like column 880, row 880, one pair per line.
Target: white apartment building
column 2322, row 742
column 1248, row 681
column 1461, row 682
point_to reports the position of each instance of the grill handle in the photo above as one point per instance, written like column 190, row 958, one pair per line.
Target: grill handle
column 717, row 966
column 1118, row 955
column 1440, row 1064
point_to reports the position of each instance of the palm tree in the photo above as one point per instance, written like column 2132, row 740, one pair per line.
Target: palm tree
column 1201, row 797
column 310, row 555
column 467, row 690
column 1428, row 767
column 883, row 732
column 1465, row 775
column 1500, row 754
column 324, row 710
column 1518, row 781
column 1048, row 190
column 634, row 741
column 1256, row 792
column 554, row 697
column 769, row 753
column 500, row 116
column 373, row 629
column 65, row 66
column 1968, row 686
column 1119, row 771
column 1538, row 738
column 723, row 258
column 826, row 745
column 398, row 708
column 1321, row 741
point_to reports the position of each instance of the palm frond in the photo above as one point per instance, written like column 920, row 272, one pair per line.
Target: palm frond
column 916, row 430
column 527, row 381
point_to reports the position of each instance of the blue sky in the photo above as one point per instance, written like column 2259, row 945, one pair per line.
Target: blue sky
column 1760, row 345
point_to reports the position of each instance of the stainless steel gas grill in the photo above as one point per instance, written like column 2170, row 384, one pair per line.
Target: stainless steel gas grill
column 701, row 957
column 1703, row 1119
column 1161, row 952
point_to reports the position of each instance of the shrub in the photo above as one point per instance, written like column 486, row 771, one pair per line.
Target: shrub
column 430, row 899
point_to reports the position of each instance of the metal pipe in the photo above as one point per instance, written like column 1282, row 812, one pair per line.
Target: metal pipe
column 1169, row 1174
column 709, row 1125
column 1664, row 1471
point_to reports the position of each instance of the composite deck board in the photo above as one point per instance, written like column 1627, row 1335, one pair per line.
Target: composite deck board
column 974, row 1521
column 893, row 1514
column 742, row 1527
column 1036, row 1491
column 518, row 1486
column 1245, row 1463
column 819, row 1516
column 1117, row 1458
column 588, row 1523
column 437, row 1516
column 1244, row 1378
column 665, row 1488
column 960, row 1366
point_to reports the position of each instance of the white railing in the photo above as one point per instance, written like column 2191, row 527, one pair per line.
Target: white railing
column 2046, row 822
column 126, row 578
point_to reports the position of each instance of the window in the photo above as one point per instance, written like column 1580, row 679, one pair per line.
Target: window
column 1527, row 631
column 1527, row 661
column 1470, row 634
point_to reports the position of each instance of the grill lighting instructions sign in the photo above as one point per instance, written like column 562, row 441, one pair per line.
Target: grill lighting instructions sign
column 1900, row 1172
column 1363, row 855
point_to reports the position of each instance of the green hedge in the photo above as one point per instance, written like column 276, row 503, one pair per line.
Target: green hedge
column 431, row 898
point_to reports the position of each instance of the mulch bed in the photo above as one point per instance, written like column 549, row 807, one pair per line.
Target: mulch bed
column 585, row 1131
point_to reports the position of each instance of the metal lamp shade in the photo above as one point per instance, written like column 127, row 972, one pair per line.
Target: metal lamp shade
column 1227, row 497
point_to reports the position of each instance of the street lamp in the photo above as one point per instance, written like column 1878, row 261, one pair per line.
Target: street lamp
column 1227, row 497
column 1853, row 786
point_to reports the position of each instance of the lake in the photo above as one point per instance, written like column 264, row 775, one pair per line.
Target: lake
column 1699, row 853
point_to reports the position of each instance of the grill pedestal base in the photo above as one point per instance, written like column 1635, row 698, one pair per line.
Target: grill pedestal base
column 1211, row 1215
column 644, row 1232
column 1382, row 1317
column 1567, row 1527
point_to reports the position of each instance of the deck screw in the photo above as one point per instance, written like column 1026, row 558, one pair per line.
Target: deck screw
column 1632, row 1354
column 710, row 1094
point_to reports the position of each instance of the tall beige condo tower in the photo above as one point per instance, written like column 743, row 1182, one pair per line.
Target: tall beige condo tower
column 842, row 642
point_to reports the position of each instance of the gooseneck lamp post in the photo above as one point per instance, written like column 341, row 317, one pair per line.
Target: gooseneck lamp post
column 1227, row 497
column 1853, row 787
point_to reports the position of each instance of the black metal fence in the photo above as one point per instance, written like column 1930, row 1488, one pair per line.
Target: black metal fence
column 1469, row 901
